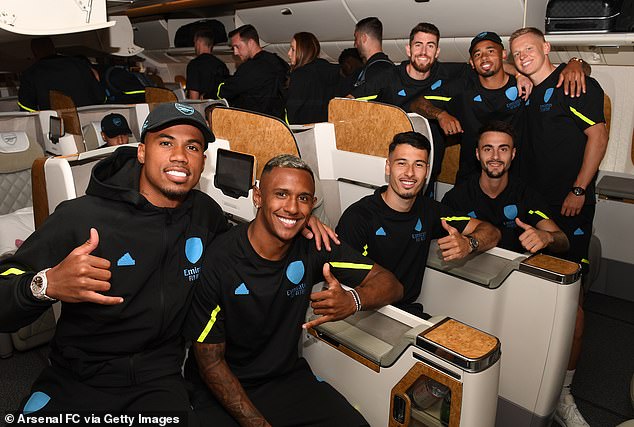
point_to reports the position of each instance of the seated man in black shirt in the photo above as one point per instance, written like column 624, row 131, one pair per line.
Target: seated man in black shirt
column 246, row 317
column 258, row 83
column 395, row 225
column 205, row 72
column 518, row 211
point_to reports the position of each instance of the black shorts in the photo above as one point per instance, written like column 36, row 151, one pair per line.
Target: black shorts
column 295, row 399
column 578, row 229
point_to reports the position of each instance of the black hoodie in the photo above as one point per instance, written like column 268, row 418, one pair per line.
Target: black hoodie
column 155, row 254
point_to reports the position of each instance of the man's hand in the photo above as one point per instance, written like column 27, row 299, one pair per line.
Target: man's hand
column 449, row 124
column 573, row 79
column 80, row 277
column 572, row 205
column 455, row 245
column 533, row 239
column 321, row 232
column 524, row 86
column 332, row 304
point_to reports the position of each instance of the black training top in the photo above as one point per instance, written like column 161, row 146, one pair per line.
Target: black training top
column 69, row 75
column 123, row 86
column 372, row 76
column 156, row 256
column 474, row 105
column 399, row 241
column 205, row 73
column 310, row 89
column 257, row 85
column 401, row 90
column 516, row 201
column 554, row 138
column 257, row 306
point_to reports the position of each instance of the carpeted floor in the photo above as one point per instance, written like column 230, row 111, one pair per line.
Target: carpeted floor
column 602, row 382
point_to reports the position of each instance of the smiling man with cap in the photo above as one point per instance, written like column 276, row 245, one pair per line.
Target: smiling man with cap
column 123, row 259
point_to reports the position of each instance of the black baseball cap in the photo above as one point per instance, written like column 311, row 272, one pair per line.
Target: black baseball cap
column 172, row 113
column 486, row 35
column 114, row 125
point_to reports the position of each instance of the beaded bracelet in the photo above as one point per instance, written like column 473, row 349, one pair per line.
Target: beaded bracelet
column 357, row 300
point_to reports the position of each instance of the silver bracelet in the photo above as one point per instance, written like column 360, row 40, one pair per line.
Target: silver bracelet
column 357, row 300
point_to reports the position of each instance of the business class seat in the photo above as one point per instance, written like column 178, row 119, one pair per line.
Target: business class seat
column 400, row 370
column 530, row 304
column 349, row 151
column 17, row 154
column 252, row 133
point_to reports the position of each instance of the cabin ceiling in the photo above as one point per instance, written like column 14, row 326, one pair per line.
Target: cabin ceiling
column 144, row 9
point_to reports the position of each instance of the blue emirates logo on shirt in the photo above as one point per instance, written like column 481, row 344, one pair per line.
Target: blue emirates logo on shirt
column 512, row 95
column 510, row 212
column 547, row 95
column 193, row 252
column 295, row 273
column 419, row 235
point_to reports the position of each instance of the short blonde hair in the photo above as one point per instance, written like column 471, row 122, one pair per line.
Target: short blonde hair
column 527, row 30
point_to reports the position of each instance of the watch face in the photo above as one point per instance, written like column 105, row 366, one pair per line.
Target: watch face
column 37, row 283
column 473, row 242
column 578, row 191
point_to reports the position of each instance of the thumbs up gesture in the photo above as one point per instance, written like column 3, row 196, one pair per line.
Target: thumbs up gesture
column 80, row 277
column 453, row 246
column 332, row 304
column 533, row 239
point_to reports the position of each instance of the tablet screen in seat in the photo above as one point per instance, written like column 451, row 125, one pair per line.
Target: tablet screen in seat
column 234, row 173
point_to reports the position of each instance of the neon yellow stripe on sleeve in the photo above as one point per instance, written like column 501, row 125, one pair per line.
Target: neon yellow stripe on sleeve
column 26, row 108
column 457, row 218
column 540, row 213
column 585, row 261
column 218, row 92
column 351, row 265
column 134, row 92
column 438, row 98
column 367, row 98
column 14, row 271
column 582, row 117
column 210, row 324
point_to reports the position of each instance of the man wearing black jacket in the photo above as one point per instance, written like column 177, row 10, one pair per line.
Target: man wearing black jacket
column 258, row 83
column 124, row 260
column 368, row 39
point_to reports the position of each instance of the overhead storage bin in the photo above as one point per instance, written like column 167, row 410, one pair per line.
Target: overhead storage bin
column 42, row 18
column 329, row 20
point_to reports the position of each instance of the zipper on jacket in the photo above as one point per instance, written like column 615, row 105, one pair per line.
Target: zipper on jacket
column 168, row 222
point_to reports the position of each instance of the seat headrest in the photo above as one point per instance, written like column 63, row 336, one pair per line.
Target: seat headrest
column 17, row 153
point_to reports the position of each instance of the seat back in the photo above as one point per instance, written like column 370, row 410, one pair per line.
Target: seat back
column 157, row 95
column 366, row 127
column 260, row 135
column 17, row 154
column 66, row 109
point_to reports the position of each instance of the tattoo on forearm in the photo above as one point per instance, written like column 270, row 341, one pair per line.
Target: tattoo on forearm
column 425, row 108
column 225, row 386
